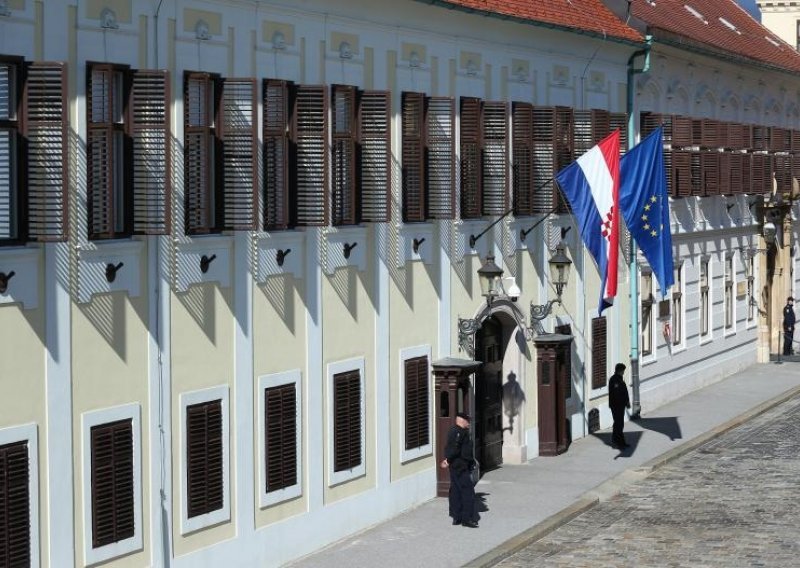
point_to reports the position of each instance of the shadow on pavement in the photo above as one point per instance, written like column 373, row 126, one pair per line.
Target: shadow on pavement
column 632, row 438
column 480, row 502
column 669, row 426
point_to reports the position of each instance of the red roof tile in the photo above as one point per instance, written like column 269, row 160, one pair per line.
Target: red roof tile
column 671, row 20
column 579, row 15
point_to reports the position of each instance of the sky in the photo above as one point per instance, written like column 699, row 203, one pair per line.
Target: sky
column 750, row 6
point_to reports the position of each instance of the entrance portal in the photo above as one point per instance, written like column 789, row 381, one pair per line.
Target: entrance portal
column 554, row 376
column 488, row 419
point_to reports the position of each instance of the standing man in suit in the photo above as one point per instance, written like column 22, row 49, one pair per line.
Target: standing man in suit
column 618, row 401
column 788, row 326
column 459, row 456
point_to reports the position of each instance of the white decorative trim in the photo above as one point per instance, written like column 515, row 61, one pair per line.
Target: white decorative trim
column 337, row 477
column 265, row 382
column 422, row 235
column 220, row 515
column 707, row 338
column 337, row 239
column 23, row 287
column 28, row 433
column 134, row 543
column 415, row 453
column 188, row 257
column 93, row 259
column 268, row 246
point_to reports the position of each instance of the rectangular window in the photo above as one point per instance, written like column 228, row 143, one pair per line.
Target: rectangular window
column 471, row 145
column 347, row 421
column 599, row 349
column 33, row 151
column 646, row 295
column 417, row 403
column 343, row 208
column 677, row 306
column 751, row 301
column 729, row 291
column 112, row 483
column 552, row 150
column 522, row 159
column 279, row 441
column 495, row 158
column 310, row 132
column 705, row 306
column 201, row 154
column 204, row 475
column 15, row 504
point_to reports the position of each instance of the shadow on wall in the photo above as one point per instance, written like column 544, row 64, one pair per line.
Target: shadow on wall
column 200, row 302
column 279, row 291
column 106, row 313
column 513, row 399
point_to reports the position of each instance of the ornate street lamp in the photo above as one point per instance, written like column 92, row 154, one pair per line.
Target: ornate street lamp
column 490, row 277
column 560, row 265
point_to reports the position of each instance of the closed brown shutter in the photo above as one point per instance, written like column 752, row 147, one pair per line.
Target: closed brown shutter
column 278, row 163
column 495, row 158
column 413, row 159
column 590, row 127
column 310, row 138
column 239, row 159
column 343, row 206
column 564, row 149
column 112, row 482
column 471, row 143
column 599, row 348
column 204, row 475
column 152, row 164
column 779, row 139
column 619, row 121
column 440, row 161
column 12, row 167
column 200, row 153
column 682, row 133
column 280, row 426
column 375, row 155
column 346, row 421
column 783, row 173
column 15, row 513
column 544, row 162
column 747, row 173
column 795, row 141
column 417, row 404
column 522, row 158
column 710, row 168
column 47, row 179
column 681, row 173
column 761, row 174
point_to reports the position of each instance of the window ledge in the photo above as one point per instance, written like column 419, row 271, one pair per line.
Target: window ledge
column 23, row 288
column 345, row 246
column 422, row 234
column 93, row 259
column 189, row 255
column 268, row 247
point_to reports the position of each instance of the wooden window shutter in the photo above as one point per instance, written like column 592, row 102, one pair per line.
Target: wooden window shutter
column 15, row 513
column 375, row 124
column 599, row 349
column 239, row 159
column 200, row 153
column 278, row 163
column 47, row 153
column 280, row 426
column 440, row 158
column 495, row 158
column 346, row 420
column 112, row 482
column 204, row 475
column 310, row 138
column 471, row 157
column 619, row 121
column 522, row 158
column 152, row 164
column 544, row 163
column 413, row 159
column 12, row 166
column 100, row 152
column 564, row 149
column 417, row 403
column 343, row 206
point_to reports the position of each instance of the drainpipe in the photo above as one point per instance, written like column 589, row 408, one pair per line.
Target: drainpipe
column 636, row 407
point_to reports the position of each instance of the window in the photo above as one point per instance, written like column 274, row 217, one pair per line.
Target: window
column 416, row 399
column 677, row 306
column 19, row 504
column 204, row 459
column 729, row 292
column 599, row 352
column 112, row 483
column 346, row 421
column 128, row 151
column 361, row 173
column 705, row 305
column 751, row 301
column 279, row 437
column 219, row 153
column 428, row 159
column 553, row 150
column 33, row 151
column 646, row 295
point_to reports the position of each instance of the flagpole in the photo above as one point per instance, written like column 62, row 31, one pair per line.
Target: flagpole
column 636, row 407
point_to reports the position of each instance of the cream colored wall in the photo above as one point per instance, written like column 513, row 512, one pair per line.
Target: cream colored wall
column 782, row 23
column 279, row 344
column 414, row 321
column 348, row 322
column 22, row 372
column 202, row 357
column 109, row 368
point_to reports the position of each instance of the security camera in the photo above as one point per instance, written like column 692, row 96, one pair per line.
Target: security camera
column 769, row 232
column 513, row 291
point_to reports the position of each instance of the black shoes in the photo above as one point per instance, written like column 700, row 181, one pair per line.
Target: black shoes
column 470, row 524
column 456, row 522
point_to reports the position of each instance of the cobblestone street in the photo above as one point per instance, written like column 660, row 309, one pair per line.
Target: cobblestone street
column 731, row 502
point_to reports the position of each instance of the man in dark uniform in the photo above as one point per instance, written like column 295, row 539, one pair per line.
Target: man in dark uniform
column 460, row 458
column 788, row 326
column 618, row 401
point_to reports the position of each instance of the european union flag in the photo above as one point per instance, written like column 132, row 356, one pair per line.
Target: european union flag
column 644, row 204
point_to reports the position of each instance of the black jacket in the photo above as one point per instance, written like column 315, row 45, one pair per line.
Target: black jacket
column 788, row 318
column 459, row 452
column 617, row 393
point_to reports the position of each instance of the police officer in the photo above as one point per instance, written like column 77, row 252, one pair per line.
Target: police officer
column 459, row 457
column 618, row 401
column 788, row 326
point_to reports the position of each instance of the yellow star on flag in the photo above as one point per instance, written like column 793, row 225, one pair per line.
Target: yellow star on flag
column 644, row 217
column 653, row 233
column 647, row 207
column 654, row 199
column 645, row 226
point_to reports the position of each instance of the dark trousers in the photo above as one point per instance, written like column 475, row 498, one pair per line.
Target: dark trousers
column 462, row 496
column 788, row 336
column 619, row 420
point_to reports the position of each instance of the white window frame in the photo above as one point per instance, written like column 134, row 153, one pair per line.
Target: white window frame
column 730, row 265
column 222, row 515
column 28, row 433
column 646, row 358
column 709, row 300
column 90, row 419
column 269, row 381
column 427, row 449
column 338, row 477
column 681, row 345
column 751, row 308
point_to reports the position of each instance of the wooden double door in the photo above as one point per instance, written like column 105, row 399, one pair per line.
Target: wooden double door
column 553, row 362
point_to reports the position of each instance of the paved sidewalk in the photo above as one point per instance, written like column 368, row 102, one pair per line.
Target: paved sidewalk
column 523, row 502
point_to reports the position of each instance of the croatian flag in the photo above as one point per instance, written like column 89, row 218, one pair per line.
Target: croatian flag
column 591, row 185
